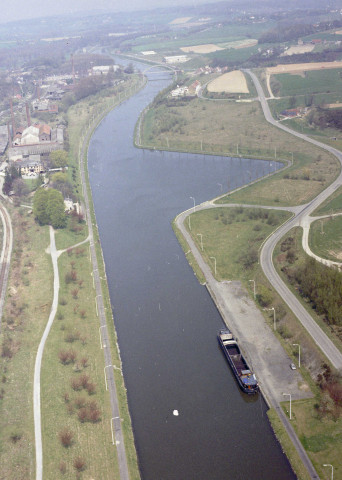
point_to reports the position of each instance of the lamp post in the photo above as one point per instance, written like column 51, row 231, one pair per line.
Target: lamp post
column 253, row 287
column 332, row 469
column 214, row 258
column 289, row 394
column 297, row 345
column 220, row 185
column 201, row 236
column 192, row 198
column 274, row 316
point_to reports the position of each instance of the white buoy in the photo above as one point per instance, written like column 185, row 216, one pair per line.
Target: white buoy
column 176, row 413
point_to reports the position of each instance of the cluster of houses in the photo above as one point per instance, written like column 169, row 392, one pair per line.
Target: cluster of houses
column 186, row 91
column 207, row 70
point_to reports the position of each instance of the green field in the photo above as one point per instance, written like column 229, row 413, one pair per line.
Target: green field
column 231, row 235
column 210, row 34
column 313, row 82
column 232, row 55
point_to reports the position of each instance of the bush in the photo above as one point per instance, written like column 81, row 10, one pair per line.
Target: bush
column 66, row 437
column 264, row 296
column 79, row 464
column 15, row 436
column 62, row 467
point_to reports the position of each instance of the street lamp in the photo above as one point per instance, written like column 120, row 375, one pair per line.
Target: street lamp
column 192, row 198
column 332, row 469
column 253, row 286
column 274, row 316
column 289, row 394
column 200, row 235
column 214, row 258
column 297, row 345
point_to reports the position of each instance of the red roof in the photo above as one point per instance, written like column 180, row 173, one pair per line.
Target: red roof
column 44, row 129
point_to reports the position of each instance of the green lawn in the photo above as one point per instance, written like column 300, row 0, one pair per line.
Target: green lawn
column 231, row 235
column 325, row 238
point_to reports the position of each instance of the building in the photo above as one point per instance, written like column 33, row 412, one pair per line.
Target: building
column 104, row 69
column 176, row 59
column 3, row 138
column 44, row 133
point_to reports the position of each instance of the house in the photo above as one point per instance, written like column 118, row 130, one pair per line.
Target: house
column 179, row 92
column 30, row 167
column 44, row 133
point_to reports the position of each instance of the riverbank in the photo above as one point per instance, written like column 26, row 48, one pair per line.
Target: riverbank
column 89, row 442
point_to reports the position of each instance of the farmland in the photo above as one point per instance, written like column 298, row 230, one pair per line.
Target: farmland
column 232, row 82
column 309, row 82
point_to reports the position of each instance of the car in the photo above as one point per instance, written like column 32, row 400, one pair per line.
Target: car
column 293, row 366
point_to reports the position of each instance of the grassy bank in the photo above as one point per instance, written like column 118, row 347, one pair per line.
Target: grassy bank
column 222, row 127
column 233, row 237
column 298, row 184
column 325, row 238
column 76, row 411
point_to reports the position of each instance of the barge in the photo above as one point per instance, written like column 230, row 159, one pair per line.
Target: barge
column 245, row 377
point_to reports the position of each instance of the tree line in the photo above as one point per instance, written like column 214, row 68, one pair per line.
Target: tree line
column 322, row 286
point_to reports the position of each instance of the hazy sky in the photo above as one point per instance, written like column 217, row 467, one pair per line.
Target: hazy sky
column 23, row 9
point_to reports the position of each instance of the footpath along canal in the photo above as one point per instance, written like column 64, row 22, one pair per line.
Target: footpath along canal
column 165, row 320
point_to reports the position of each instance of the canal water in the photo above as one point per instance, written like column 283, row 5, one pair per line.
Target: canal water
column 166, row 322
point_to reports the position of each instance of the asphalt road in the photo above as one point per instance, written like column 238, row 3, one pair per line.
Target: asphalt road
column 300, row 216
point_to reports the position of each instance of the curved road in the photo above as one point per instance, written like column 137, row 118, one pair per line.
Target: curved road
column 299, row 219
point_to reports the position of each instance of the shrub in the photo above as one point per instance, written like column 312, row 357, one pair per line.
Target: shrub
column 84, row 380
column 66, row 437
column 15, row 436
column 264, row 296
column 84, row 362
column 80, row 402
column 91, row 388
column 76, row 384
column 62, row 467
column 74, row 293
column 82, row 414
column 79, row 464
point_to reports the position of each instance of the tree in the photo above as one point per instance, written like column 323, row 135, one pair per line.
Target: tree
column 60, row 182
column 129, row 68
column 55, row 209
column 59, row 158
column 48, row 208
column 10, row 175
column 39, row 206
column 19, row 187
